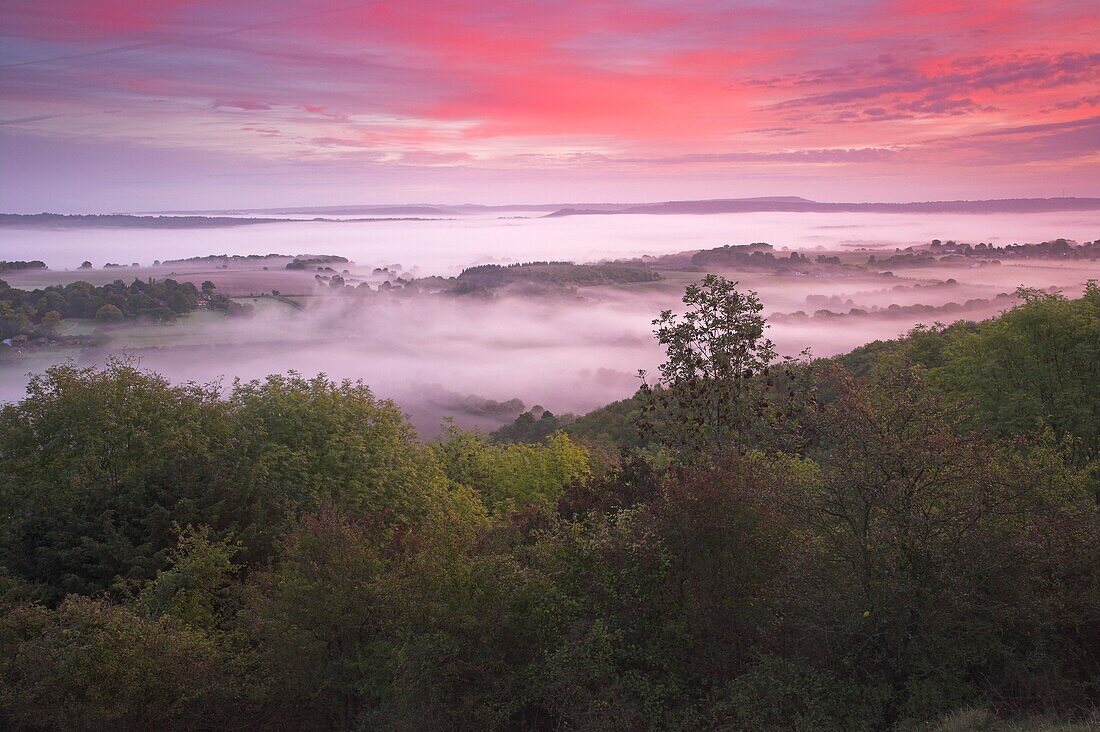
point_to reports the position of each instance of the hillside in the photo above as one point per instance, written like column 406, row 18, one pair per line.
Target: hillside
column 901, row 538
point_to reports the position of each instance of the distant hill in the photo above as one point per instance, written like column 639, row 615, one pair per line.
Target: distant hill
column 397, row 210
column 129, row 221
column 418, row 209
column 122, row 221
column 794, row 204
column 427, row 212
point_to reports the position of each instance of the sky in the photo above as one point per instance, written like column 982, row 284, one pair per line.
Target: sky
column 132, row 105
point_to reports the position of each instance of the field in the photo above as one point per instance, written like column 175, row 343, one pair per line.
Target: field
column 236, row 281
column 271, row 305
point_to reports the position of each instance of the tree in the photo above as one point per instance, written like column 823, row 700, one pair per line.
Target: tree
column 719, row 383
column 513, row 475
column 321, row 618
column 931, row 543
column 1037, row 365
column 316, row 441
column 85, row 264
column 358, row 629
column 197, row 584
column 51, row 321
column 12, row 321
column 207, row 287
column 114, row 669
column 97, row 465
column 108, row 314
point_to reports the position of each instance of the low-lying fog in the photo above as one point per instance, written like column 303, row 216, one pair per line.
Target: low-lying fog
column 443, row 246
column 440, row 356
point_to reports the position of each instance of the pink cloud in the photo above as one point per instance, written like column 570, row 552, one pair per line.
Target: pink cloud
column 426, row 157
column 245, row 104
column 894, row 86
column 323, row 111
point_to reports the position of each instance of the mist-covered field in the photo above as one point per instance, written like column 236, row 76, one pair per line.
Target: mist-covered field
column 575, row 350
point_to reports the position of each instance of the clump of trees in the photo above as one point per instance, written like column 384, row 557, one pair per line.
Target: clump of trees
column 316, row 262
column 12, row 266
column 553, row 274
column 23, row 311
column 223, row 303
column 761, row 256
column 863, row 543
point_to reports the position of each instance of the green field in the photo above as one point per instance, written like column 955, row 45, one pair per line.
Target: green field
column 71, row 327
column 266, row 305
column 193, row 329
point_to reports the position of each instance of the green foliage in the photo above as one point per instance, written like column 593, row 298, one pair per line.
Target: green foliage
column 471, row 630
column 528, row 427
column 108, row 314
column 1038, row 364
column 513, row 475
column 1035, row 366
column 95, row 466
column 50, row 322
column 90, row 665
column 288, row 555
column 719, row 387
column 12, row 322
column 311, row 440
column 931, row 550
column 10, row 266
column 197, row 584
column 319, row 618
column 556, row 274
column 614, row 424
column 160, row 300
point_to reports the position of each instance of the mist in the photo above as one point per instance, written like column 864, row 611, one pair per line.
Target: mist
column 482, row 360
column 444, row 246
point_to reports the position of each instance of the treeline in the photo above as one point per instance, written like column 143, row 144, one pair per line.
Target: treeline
column 611, row 427
column 12, row 266
column 561, row 274
column 954, row 252
column 762, row 256
column 896, row 311
column 224, row 259
column 876, row 542
column 1055, row 249
column 315, row 261
column 27, row 312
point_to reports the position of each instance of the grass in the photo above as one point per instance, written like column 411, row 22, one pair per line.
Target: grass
column 263, row 305
column 70, row 327
column 197, row 328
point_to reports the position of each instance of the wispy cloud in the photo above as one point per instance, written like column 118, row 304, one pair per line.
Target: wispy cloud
column 901, row 89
